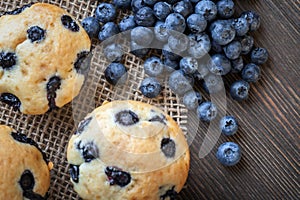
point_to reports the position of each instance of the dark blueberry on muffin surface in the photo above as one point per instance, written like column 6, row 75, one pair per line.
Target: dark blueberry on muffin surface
column 82, row 125
column 117, row 177
column 82, row 62
column 89, row 151
column 10, row 100
column 27, row 180
column 168, row 147
column 127, row 118
column 7, row 59
column 53, row 85
column 36, row 34
column 74, row 172
column 69, row 23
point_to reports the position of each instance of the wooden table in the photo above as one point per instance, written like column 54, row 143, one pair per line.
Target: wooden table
column 269, row 119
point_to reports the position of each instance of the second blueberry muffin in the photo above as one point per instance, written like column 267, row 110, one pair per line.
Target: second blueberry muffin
column 128, row 150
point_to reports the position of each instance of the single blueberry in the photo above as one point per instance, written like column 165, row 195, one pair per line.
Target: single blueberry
column 150, row 87
column 89, row 151
column 105, row 12
column 228, row 125
column 126, row 118
column 136, row 5
column 207, row 111
column 109, row 29
column 52, row 86
column 247, row 43
column 251, row 72
column 113, row 52
column 27, row 180
column 138, row 50
column 222, row 32
column 160, row 31
column 259, row 55
column 225, row 8
column 115, row 73
column 196, row 23
column 170, row 65
column 74, row 172
column 153, row 66
column 241, row 26
column 127, row 23
column 145, row 17
column 184, row 7
column 207, row 9
column 7, row 59
column 237, row 65
column 117, row 177
column 233, row 50
column 178, row 42
column 168, row 147
column 180, row 83
column 122, row 3
column 36, row 34
column 199, row 45
column 69, row 23
column 219, row 65
column 239, row 90
column 82, row 125
column 229, row 153
column 188, row 65
column 91, row 26
column 213, row 83
column 192, row 100
column 175, row 22
column 162, row 10
column 142, row 35
column 252, row 18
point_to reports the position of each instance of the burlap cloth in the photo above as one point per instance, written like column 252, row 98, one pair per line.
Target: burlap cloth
column 53, row 130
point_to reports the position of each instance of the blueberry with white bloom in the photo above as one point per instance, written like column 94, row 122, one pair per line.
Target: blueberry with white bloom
column 228, row 125
column 153, row 66
column 229, row 153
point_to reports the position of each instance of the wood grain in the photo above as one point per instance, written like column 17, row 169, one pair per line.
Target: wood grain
column 269, row 119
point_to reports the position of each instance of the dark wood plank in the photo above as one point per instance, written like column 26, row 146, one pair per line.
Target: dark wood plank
column 269, row 120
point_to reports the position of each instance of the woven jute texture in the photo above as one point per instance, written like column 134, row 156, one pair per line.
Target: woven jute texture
column 53, row 130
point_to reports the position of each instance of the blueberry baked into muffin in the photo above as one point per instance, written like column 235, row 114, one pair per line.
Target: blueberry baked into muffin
column 25, row 171
column 128, row 150
column 44, row 54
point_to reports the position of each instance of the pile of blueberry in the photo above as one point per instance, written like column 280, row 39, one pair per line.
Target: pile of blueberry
column 201, row 42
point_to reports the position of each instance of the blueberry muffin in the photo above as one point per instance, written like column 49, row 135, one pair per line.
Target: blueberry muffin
column 44, row 54
column 25, row 172
column 128, row 150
